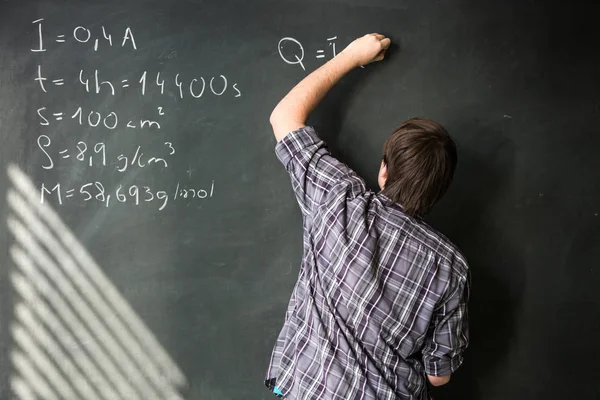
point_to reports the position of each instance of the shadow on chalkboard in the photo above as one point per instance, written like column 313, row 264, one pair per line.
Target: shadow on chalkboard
column 468, row 217
column 73, row 335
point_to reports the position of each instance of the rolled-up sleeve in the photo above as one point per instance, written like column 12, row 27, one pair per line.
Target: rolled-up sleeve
column 315, row 174
column 448, row 334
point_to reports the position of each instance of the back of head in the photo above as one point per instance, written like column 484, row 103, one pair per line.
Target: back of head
column 420, row 158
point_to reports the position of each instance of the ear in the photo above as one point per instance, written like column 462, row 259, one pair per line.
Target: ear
column 383, row 170
column 382, row 176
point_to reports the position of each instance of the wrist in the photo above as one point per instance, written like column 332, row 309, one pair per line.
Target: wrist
column 347, row 60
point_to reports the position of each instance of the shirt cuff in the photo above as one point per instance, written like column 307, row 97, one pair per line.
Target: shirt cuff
column 295, row 142
column 442, row 366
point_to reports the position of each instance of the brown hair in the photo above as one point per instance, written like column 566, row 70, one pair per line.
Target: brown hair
column 420, row 157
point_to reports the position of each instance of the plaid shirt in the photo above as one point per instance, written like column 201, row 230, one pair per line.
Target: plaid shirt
column 381, row 298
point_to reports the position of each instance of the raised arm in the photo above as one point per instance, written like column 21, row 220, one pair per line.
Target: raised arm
column 293, row 110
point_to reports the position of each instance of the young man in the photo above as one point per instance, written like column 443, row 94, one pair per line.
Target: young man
column 380, row 305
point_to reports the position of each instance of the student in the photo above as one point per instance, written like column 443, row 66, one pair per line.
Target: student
column 379, row 310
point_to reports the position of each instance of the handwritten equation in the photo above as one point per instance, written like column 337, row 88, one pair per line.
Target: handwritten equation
column 94, row 119
column 96, row 154
column 130, row 194
column 152, row 85
column 194, row 87
column 82, row 34
column 292, row 52
column 154, row 158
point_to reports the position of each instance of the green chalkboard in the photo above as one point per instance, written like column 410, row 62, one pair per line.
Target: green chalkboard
column 149, row 238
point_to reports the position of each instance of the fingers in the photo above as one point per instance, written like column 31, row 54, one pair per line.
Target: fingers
column 368, row 47
column 380, row 56
column 379, row 37
column 385, row 42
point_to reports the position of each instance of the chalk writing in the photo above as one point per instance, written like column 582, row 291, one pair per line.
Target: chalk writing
column 81, row 34
column 40, row 36
column 292, row 52
column 102, row 153
column 297, row 55
column 195, row 87
column 321, row 53
column 96, row 154
column 95, row 119
column 185, row 192
column 132, row 194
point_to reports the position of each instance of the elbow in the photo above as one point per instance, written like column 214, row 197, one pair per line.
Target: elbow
column 277, row 124
column 284, row 122
column 281, row 116
column 274, row 118
column 278, row 119
column 438, row 380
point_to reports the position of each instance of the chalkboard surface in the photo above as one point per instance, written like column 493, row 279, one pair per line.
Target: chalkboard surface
column 150, row 240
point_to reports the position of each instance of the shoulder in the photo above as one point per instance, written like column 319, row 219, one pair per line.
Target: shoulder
column 427, row 238
column 424, row 234
column 298, row 141
column 444, row 248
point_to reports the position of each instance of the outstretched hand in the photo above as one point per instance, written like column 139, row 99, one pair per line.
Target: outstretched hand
column 367, row 49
